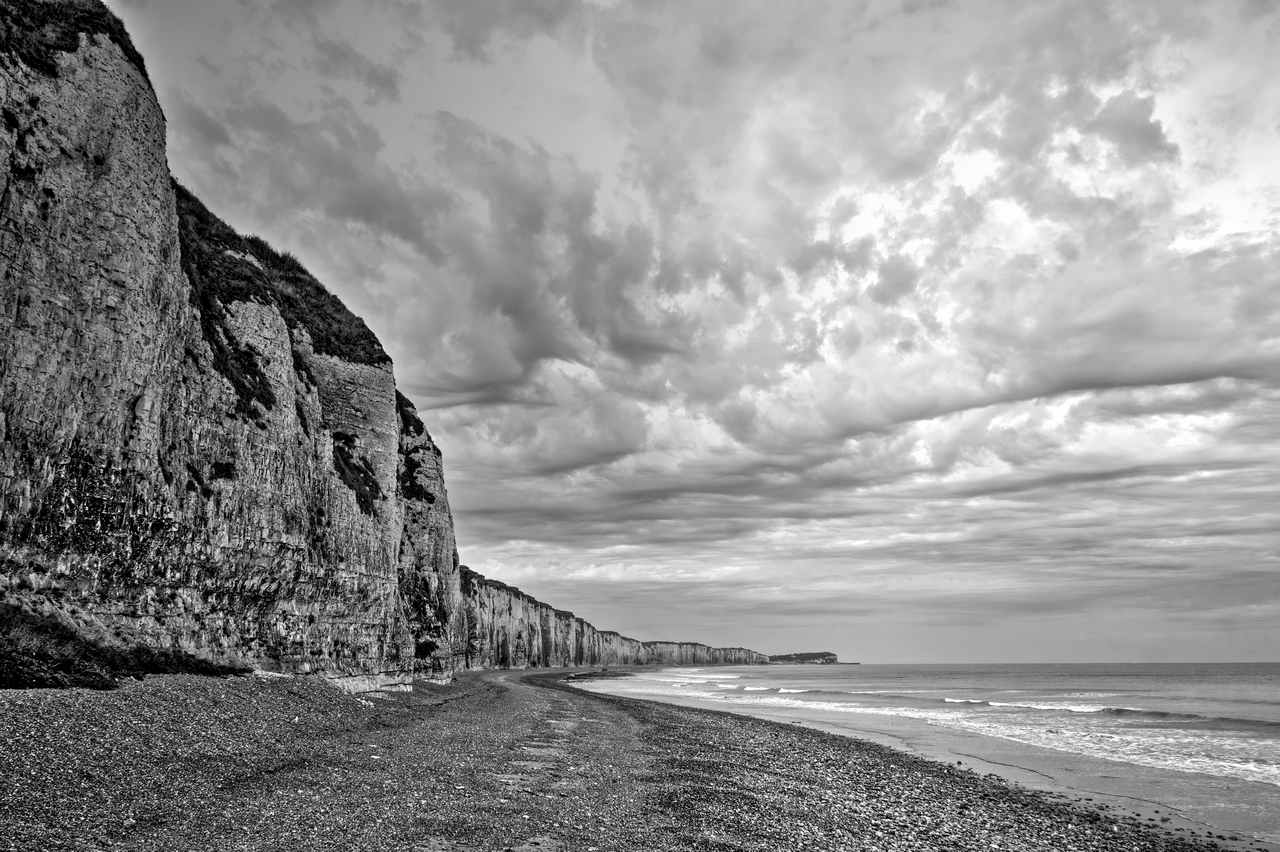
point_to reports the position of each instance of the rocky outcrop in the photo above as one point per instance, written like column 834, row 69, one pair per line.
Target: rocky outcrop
column 507, row 628
column 201, row 449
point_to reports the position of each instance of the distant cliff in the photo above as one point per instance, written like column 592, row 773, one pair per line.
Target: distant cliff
column 812, row 657
column 507, row 628
column 201, row 449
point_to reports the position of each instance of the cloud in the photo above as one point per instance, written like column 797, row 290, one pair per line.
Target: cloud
column 472, row 26
column 331, row 165
column 897, row 278
column 778, row 309
column 1126, row 120
column 307, row 11
column 198, row 127
column 337, row 59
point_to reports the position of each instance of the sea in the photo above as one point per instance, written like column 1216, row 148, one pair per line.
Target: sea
column 1200, row 739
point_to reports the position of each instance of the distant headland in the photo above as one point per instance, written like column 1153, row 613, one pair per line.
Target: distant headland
column 824, row 658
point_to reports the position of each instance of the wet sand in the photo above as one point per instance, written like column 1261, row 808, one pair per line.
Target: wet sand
column 502, row 760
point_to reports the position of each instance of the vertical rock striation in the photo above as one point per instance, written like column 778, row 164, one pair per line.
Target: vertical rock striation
column 507, row 628
column 201, row 449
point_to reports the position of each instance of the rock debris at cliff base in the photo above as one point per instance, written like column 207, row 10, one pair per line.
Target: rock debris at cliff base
column 495, row 761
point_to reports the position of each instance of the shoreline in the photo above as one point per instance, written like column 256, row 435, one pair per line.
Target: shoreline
column 506, row 760
column 1144, row 792
column 1084, row 779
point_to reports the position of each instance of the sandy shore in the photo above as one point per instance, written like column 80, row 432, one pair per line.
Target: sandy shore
column 503, row 760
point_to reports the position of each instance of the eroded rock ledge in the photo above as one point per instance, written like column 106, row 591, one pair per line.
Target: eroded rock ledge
column 201, row 449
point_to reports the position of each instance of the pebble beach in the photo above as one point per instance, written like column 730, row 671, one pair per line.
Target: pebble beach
column 494, row 761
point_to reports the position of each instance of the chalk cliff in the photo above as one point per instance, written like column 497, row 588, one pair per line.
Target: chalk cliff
column 201, row 449
column 508, row 628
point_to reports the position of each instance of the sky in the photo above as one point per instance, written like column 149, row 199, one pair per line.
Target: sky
column 912, row 330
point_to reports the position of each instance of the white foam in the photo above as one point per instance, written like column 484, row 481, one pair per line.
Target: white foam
column 1244, row 758
column 1076, row 726
column 1223, row 756
column 1051, row 705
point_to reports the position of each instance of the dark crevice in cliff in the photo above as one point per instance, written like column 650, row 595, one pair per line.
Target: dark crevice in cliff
column 426, row 612
column 196, row 483
column 410, row 424
column 35, row 31
column 23, row 121
column 411, row 488
column 356, row 472
column 301, row 411
column 303, row 369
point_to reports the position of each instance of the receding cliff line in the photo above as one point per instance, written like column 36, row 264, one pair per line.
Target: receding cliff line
column 508, row 628
column 202, row 451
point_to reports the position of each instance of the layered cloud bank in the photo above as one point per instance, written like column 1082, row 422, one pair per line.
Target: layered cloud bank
column 912, row 330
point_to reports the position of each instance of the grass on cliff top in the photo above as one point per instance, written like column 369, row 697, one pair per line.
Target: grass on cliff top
column 305, row 302
column 35, row 30
column 279, row 279
column 224, row 266
column 472, row 580
column 43, row 651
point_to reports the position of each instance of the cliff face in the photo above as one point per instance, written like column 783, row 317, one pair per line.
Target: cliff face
column 201, row 449
column 185, row 461
column 507, row 628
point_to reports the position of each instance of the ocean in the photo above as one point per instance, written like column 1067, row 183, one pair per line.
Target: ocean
column 1202, row 739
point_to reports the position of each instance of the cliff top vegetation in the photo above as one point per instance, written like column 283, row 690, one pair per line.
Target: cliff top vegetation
column 225, row 266
column 277, row 278
column 805, row 657
column 34, row 30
